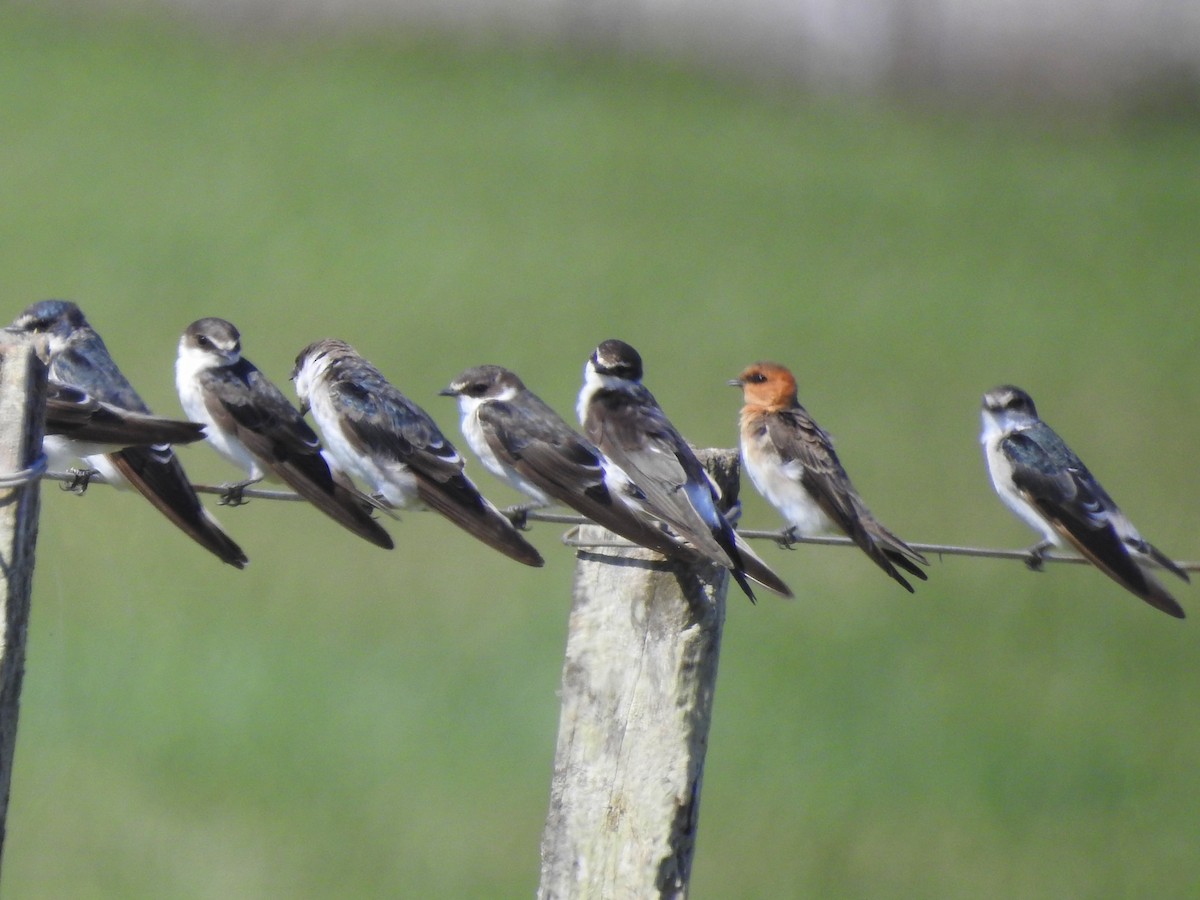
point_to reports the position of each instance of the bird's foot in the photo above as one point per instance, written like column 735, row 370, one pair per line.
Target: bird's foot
column 80, row 479
column 385, row 506
column 787, row 538
column 1035, row 556
column 234, row 494
column 519, row 515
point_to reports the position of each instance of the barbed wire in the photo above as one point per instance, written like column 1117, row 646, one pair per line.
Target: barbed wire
column 22, row 477
column 553, row 518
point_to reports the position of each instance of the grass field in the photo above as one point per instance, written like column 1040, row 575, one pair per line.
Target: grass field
column 340, row 721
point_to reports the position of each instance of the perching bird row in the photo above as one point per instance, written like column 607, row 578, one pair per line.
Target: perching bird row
column 630, row 471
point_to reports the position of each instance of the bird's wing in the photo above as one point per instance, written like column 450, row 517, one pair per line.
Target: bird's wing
column 636, row 436
column 243, row 402
column 806, row 450
column 1053, row 479
column 380, row 421
column 86, row 364
column 532, row 439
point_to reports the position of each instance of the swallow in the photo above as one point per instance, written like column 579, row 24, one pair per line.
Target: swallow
column 87, row 421
column 1041, row 480
column 78, row 359
column 526, row 444
column 791, row 461
column 653, row 468
column 376, row 433
column 251, row 424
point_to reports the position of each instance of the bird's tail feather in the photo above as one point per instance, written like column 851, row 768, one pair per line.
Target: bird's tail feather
column 157, row 475
column 460, row 502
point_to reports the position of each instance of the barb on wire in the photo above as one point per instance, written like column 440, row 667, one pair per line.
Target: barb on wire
column 571, row 539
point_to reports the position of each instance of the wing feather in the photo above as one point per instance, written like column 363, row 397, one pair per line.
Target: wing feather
column 1056, row 483
column 800, row 441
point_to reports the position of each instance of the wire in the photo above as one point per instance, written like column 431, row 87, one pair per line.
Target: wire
column 22, row 477
column 74, row 478
column 778, row 537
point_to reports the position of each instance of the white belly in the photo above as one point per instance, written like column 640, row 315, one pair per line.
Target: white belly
column 390, row 478
column 780, row 485
column 191, row 398
column 1001, row 471
column 479, row 445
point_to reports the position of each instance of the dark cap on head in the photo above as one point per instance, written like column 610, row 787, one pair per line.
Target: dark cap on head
column 618, row 359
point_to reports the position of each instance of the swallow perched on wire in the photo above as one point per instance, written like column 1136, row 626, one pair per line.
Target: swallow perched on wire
column 792, row 463
column 79, row 359
column 1041, row 480
column 375, row 432
column 527, row 444
column 653, row 468
column 250, row 423
column 101, row 427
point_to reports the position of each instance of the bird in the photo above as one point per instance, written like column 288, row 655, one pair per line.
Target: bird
column 78, row 359
column 375, row 432
column 526, row 444
column 73, row 413
column 1049, row 488
column 654, row 469
column 792, row 463
column 250, row 423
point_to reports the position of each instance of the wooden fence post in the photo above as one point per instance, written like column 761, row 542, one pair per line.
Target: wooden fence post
column 22, row 408
column 637, row 694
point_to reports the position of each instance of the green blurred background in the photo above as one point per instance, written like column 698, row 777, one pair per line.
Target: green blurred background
column 339, row 721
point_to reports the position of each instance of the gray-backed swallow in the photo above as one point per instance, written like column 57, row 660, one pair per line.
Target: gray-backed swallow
column 791, row 461
column 92, row 424
column 654, row 469
column 78, row 359
column 376, row 433
column 1041, row 480
column 527, row 444
column 250, row 423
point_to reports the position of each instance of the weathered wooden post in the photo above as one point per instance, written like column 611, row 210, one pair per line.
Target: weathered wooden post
column 637, row 694
column 22, row 408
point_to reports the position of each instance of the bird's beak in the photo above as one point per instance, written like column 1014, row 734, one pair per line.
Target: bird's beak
column 448, row 392
column 735, row 382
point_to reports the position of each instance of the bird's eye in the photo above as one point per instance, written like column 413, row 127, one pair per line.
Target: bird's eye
column 477, row 389
column 757, row 378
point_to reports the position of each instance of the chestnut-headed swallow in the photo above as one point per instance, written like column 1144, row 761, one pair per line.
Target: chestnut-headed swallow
column 527, row 444
column 376, row 433
column 250, row 423
column 78, row 359
column 792, row 463
column 1041, row 480
column 653, row 468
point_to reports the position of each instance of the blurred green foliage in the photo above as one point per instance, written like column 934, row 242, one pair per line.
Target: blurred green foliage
column 339, row 721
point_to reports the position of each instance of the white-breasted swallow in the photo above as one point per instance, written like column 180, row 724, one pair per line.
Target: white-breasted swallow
column 1041, row 480
column 654, row 469
column 791, row 461
column 79, row 359
column 250, row 423
column 527, row 444
column 377, row 434
column 99, row 427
